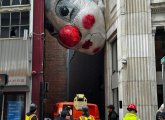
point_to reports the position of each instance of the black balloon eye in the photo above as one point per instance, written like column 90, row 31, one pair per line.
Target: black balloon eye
column 64, row 11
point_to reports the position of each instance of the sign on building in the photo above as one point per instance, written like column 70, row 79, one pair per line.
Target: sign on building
column 17, row 81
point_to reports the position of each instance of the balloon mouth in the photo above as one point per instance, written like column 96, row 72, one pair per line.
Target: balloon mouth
column 69, row 36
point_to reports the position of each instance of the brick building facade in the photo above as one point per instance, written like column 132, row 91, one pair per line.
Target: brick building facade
column 54, row 72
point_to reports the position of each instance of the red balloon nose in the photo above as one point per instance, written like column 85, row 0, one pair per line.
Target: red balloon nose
column 69, row 36
column 88, row 21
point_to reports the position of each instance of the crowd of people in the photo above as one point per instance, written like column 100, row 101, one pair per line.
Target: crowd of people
column 130, row 115
column 85, row 115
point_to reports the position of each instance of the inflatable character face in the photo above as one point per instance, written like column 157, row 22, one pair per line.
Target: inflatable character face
column 79, row 24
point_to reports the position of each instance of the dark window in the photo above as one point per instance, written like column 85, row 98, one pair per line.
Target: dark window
column 22, row 30
column 114, row 57
column 25, row 18
column 14, row 24
column 15, row 31
column 159, row 47
column 4, row 32
column 5, row 2
column 16, row 2
column 25, row 2
column 5, row 19
column 13, row 2
column 15, row 18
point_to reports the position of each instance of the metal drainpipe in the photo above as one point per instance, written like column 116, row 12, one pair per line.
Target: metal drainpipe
column 70, row 55
column 68, row 70
column 44, row 92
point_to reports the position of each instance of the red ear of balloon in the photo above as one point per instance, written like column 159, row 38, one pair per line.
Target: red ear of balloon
column 69, row 36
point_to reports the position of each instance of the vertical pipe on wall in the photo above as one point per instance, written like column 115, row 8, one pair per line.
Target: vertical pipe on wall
column 37, row 54
column 68, row 70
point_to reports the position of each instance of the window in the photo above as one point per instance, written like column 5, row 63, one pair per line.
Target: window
column 114, row 57
column 13, row 2
column 13, row 23
column 159, row 47
column 116, row 99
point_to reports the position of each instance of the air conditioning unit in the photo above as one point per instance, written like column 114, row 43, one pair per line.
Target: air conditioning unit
column 25, row 34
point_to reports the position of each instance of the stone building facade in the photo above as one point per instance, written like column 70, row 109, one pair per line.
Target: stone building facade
column 134, row 47
column 55, row 73
column 16, row 28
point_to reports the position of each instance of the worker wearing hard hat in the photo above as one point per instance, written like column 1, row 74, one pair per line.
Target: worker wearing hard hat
column 86, row 115
column 131, row 115
column 31, row 115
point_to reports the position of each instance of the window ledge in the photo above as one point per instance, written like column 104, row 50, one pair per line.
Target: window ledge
column 15, row 38
column 15, row 8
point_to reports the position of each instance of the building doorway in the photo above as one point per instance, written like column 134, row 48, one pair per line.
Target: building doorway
column 14, row 106
column 160, row 53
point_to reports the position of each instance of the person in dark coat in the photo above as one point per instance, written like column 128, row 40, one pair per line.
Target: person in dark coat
column 112, row 114
column 162, row 116
column 159, row 112
column 62, row 115
column 69, row 112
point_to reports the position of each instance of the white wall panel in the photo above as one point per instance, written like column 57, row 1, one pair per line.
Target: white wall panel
column 14, row 57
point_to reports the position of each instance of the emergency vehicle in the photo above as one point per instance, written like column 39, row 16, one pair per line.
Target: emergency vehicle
column 75, row 108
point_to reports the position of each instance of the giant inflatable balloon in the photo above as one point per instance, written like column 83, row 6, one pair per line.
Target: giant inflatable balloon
column 77, row 24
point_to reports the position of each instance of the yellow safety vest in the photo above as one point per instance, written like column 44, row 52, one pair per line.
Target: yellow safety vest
column 30, row 117
column 131, row 116
column 87, row 118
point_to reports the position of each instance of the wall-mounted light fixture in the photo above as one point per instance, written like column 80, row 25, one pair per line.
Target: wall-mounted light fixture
column 124, row 61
